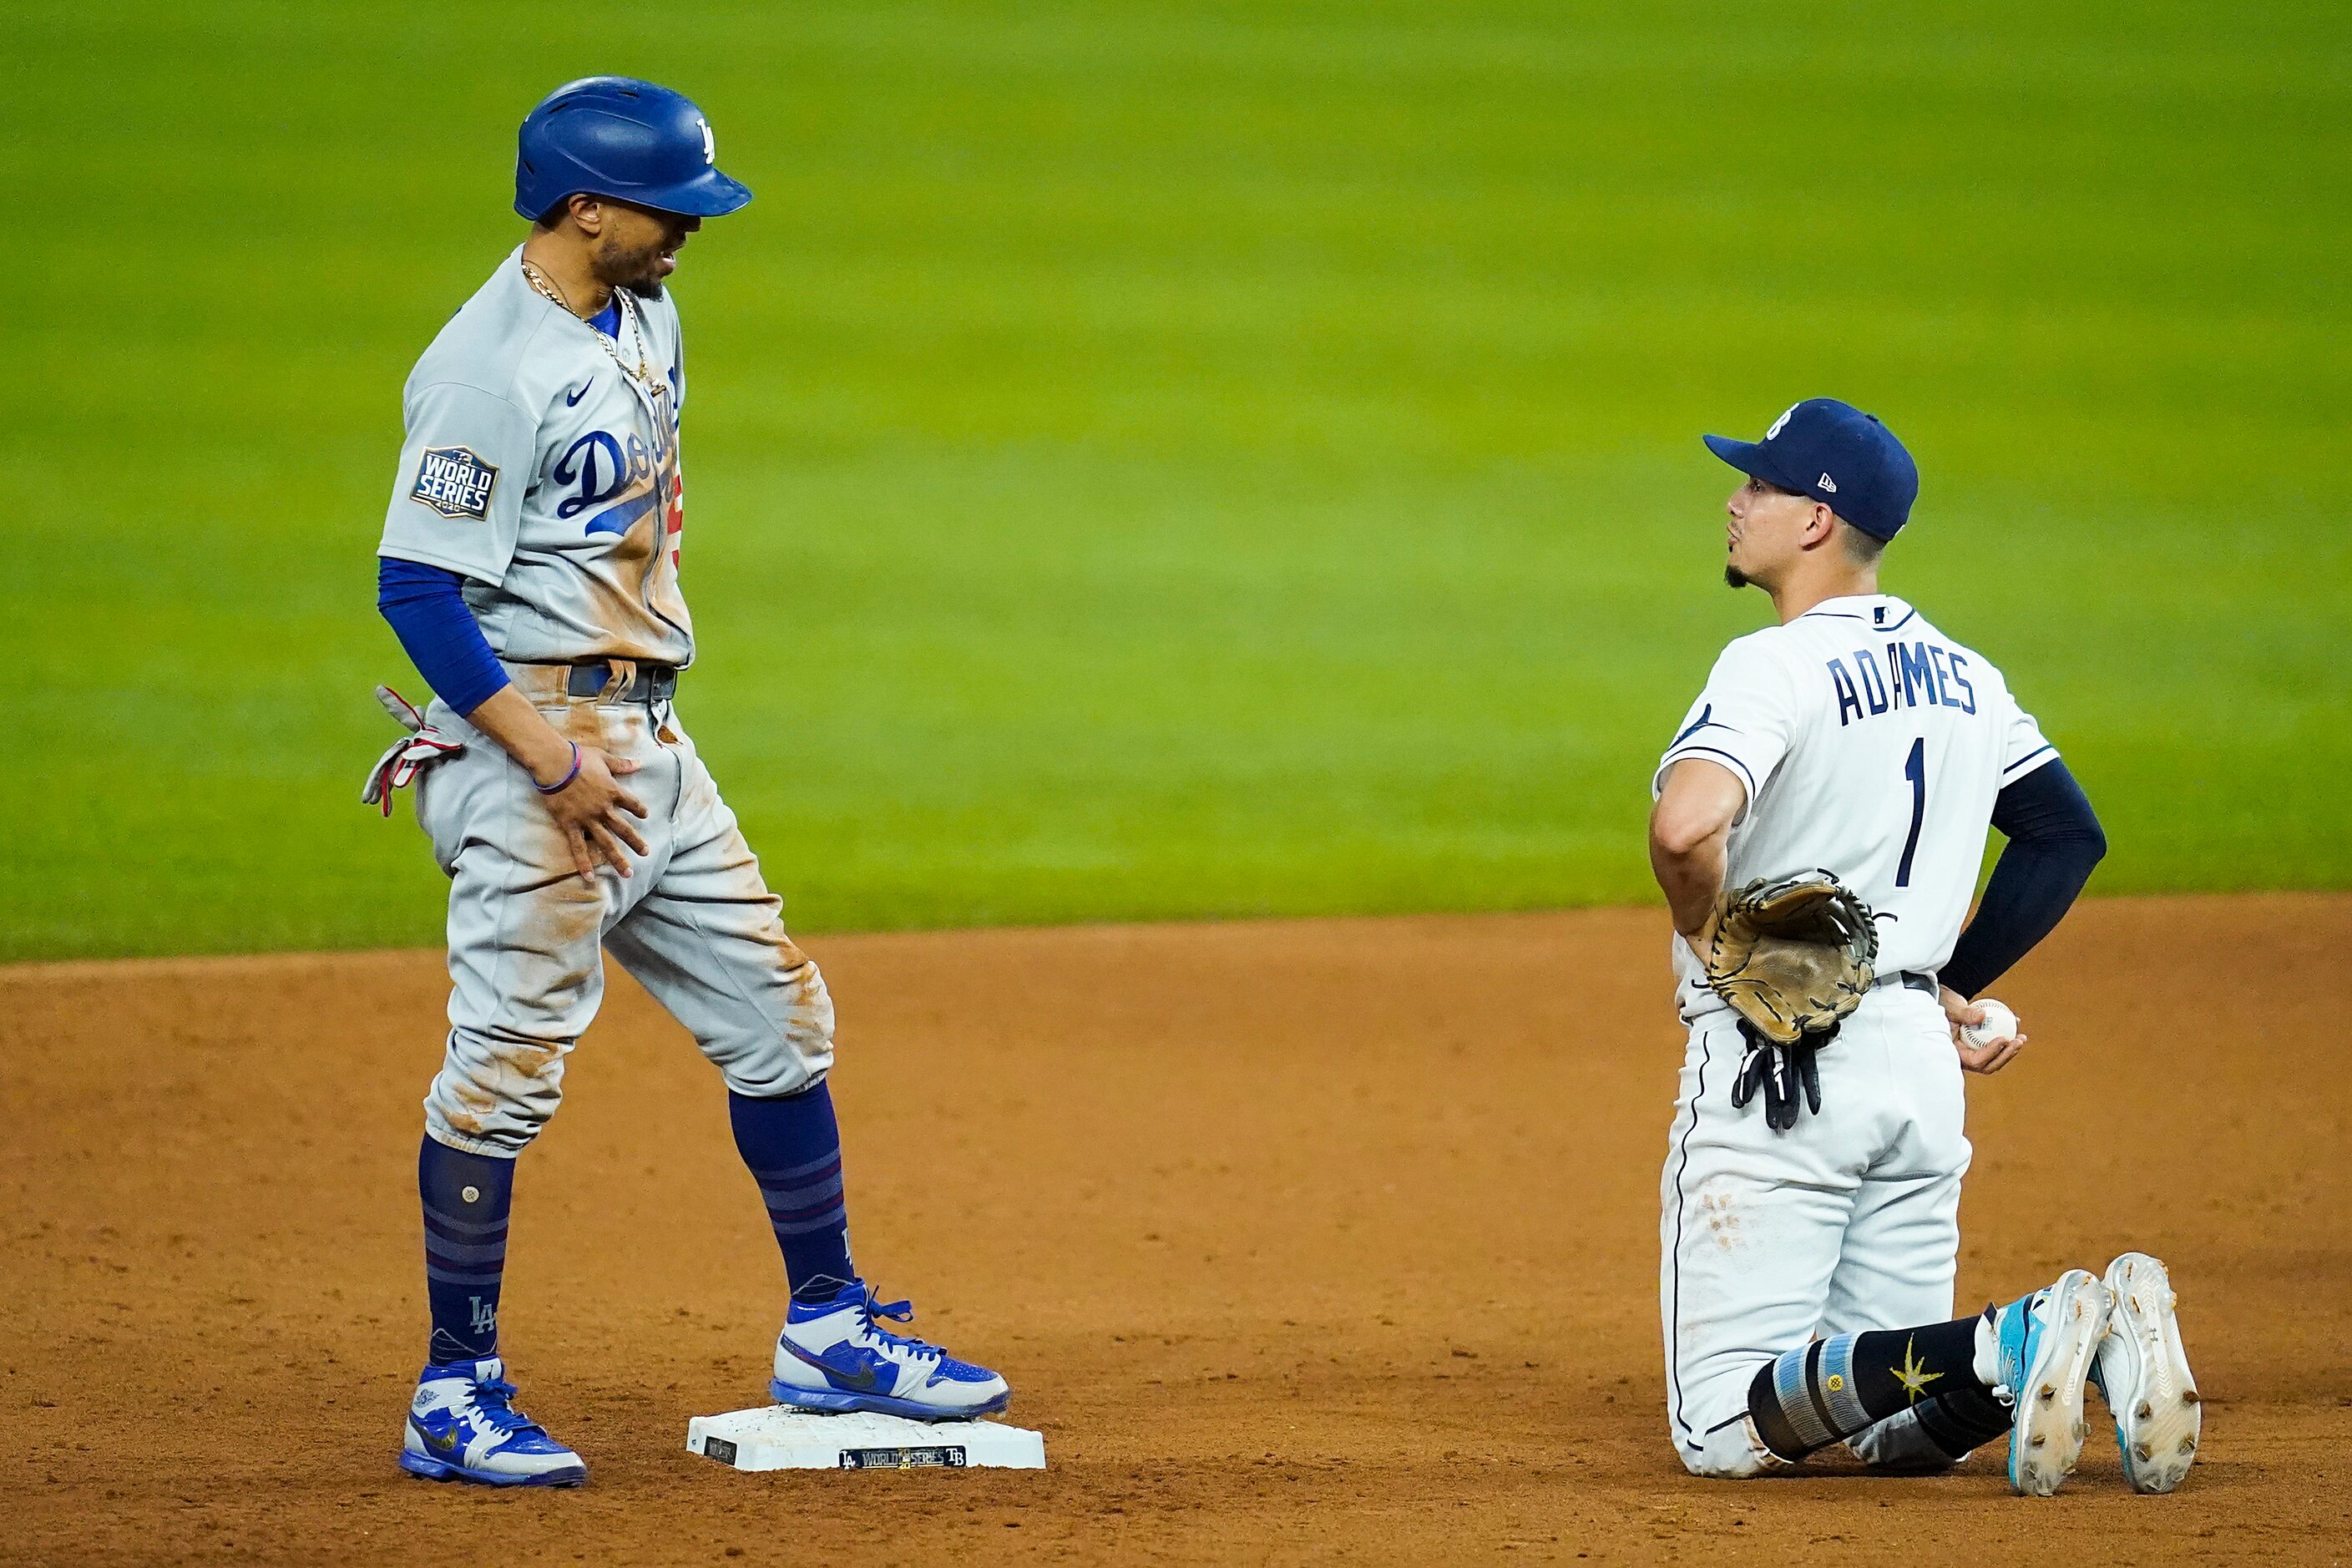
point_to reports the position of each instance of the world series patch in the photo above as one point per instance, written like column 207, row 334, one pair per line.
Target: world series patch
column 454, row 483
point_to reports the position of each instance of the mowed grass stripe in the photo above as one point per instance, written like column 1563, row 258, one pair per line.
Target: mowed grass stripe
column 1154, row 463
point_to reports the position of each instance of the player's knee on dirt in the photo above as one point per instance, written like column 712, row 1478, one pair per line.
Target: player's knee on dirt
column 1731, row 1452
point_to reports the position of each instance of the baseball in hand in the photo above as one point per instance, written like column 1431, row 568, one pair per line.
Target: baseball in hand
column 1999, row 1024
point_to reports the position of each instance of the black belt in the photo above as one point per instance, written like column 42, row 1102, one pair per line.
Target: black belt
column 654, row 682
column 1910, row 980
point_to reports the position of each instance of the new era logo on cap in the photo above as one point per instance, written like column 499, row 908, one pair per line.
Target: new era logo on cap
column 1828, row 484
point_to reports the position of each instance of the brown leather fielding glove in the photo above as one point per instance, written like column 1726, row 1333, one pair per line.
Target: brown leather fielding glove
column 1792, row 955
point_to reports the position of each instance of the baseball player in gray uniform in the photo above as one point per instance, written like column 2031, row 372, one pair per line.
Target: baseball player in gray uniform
column 1809, row 1251
column 530, row 566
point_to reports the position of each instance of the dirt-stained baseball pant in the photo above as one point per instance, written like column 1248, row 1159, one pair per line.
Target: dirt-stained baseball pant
column 694, row 925
column 1847, row 1222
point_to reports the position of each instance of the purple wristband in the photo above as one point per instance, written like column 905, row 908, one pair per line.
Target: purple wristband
column 551, row 789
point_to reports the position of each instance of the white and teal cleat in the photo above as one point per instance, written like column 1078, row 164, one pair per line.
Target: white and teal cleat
column 2045, row 1343
column 2143, row 1374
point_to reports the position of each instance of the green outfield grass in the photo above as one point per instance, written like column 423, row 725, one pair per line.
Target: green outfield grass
column 1164, row 460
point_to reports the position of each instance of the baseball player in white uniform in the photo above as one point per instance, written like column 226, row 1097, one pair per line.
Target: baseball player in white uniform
column 530, row 566
column 1806, row 1285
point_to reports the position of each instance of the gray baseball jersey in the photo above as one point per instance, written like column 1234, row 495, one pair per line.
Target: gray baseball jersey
column 538, row 470
column 548, row 478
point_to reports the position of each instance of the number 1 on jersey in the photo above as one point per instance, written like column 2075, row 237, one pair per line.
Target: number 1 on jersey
column 1914, row 768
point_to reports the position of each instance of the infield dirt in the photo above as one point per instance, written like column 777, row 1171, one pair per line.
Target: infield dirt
column 1300, row 1241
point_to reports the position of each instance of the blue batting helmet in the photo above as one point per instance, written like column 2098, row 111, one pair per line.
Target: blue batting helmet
column 616, row 136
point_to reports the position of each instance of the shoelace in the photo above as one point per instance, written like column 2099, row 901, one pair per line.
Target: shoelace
column 897, row 1313
column 491, row 1403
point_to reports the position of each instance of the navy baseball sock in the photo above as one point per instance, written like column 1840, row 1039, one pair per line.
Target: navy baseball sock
column 1823, row 1393
column 467, row 1198
column 1964, row 1420
column 793, row 1148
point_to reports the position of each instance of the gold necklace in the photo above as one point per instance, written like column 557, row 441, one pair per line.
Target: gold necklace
column 643, row 374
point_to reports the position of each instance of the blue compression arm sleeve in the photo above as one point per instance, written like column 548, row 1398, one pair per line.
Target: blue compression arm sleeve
column 427, row 606
column 2054, row 841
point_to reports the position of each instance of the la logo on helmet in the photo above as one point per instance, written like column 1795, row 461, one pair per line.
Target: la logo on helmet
column 710, row 154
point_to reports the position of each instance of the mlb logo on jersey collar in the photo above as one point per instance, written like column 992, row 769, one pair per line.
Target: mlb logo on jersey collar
column 1838, row 454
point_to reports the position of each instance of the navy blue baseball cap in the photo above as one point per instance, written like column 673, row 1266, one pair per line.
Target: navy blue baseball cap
column 616, row 136
column 1838, row 454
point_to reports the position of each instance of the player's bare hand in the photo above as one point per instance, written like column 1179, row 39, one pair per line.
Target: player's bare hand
column 594, row 810
column 1989, row 1057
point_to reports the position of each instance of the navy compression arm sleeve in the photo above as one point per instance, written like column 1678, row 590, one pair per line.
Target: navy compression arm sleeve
column 2054, row 841
column 426, row 607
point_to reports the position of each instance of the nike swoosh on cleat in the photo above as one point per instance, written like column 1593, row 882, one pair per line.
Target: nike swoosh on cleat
column 446, row 1440
column 864, row 1380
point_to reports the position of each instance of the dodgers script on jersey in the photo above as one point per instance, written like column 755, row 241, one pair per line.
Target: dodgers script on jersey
column 1871, row 745
column 538, row 470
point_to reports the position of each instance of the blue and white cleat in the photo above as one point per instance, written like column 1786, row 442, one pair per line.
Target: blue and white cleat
column 2044, row 1345
column 2143, row 1373
column 832, row 1357
column 463, row 1427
